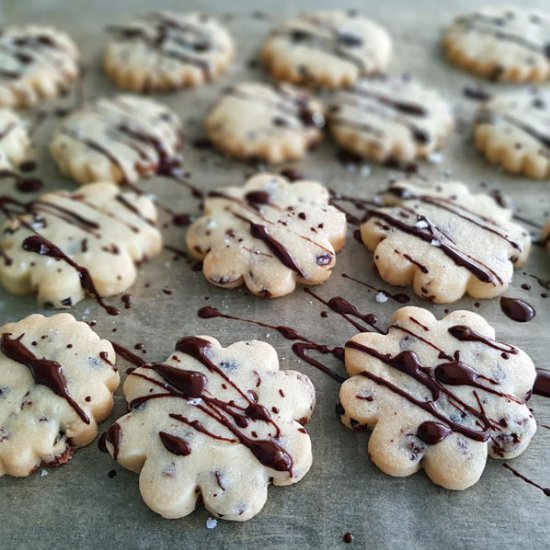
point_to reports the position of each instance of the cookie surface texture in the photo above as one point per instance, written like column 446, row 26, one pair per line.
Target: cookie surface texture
column 221, row 423
column 438, row 395
column 167, row 51
column 389, row 118
column 269, row 235
column 14, row 140
column 57, row 378
column 501, row 43
column 327, row 48
column 120, row 139
column 444, row 241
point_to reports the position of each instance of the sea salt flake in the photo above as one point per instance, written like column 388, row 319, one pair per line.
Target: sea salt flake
column 211, row 523
column 43, row 473
column 381, row 297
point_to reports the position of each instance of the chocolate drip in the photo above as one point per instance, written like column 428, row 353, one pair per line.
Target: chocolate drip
column 431, row 234
column 113, row 436
column 545, row 490
column 400, row 297
column 467, row 334
column 128, row 355
column 517, row 310
column 42, row 246
column 187, row 384
column 261, row 232
column 408, row 363
column 300, row 348
column 542, row 383
column 432, row 433
column 174, row 444
column 44, row 371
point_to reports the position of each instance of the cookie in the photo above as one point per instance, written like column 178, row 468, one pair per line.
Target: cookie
column 438, row 395
column 389, row 118
column 57, row 378
column 14, row 140
column 501, row 43
column 444, row 241
column 66, row 245
column 513, row 131
column 119, row 139
column 327, row 48
column 269, row 235
column 36, row 63
column 221, row 423
column 258, row 121
column 165, row 51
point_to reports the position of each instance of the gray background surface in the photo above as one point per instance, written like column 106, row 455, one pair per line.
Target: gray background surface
column 78, row 505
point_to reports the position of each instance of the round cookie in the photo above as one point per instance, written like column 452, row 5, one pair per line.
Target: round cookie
column 217, row 423
column 57, row 377
column 119, row 139
column 269, row 234
column 501, row 43
column 36, row 63
column 327, row 48
column 389, row 118
column 258, row 121
column 438, row 395
column 14, row 140
column 165, row 51
column 444, row 241
column 513, row 131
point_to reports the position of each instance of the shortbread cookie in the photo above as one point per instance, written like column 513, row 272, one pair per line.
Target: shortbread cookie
column 221, row 423
column 36, row 63
column 166, row 51
column 444, row 241
column 513, row 130
column 258, row 121
column 501, row 43
column 14, row 140
column 327, row 48
column 269, row 234
column 119, row 139
column 66, row 245
column 389, row 118
column 56, row 383
column 438, row 395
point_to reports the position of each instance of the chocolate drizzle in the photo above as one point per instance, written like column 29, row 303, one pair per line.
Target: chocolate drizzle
column 44, row 371
column 174, row 444
column 542, row 383
column 517, row 310
column 432, row 433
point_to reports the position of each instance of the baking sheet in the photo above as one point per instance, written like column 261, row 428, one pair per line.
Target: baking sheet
column 79, row 505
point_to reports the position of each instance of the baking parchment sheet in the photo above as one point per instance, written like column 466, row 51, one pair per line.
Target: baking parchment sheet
column 80, row 506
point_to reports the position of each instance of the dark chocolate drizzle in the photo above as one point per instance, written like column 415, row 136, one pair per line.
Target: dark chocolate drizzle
column 517, row 310
column 542, row 383
column 44, row 371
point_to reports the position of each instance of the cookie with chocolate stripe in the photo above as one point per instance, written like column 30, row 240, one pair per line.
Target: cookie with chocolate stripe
column 501, row 43
column 268, row 234
column 327, row 48
column 389, row 118
column 64, row 246
column 444, row 241
column 258, row 121
column 217, row 423
column 165, row 51
column 513, row 131
column 57, row 378
column 438, row 395
column 36, row 63
column 119, row 139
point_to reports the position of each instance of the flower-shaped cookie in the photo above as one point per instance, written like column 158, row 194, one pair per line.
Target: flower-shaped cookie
column 269, row 234
column 119, row 139
column 56, row 383
column 439, row 395
column 223, row 423
column 14, row 140
column 513, row 130
column 165, row 51
column 444, row 241
column 36, row 63
column 258, row 121
column 66, row 245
